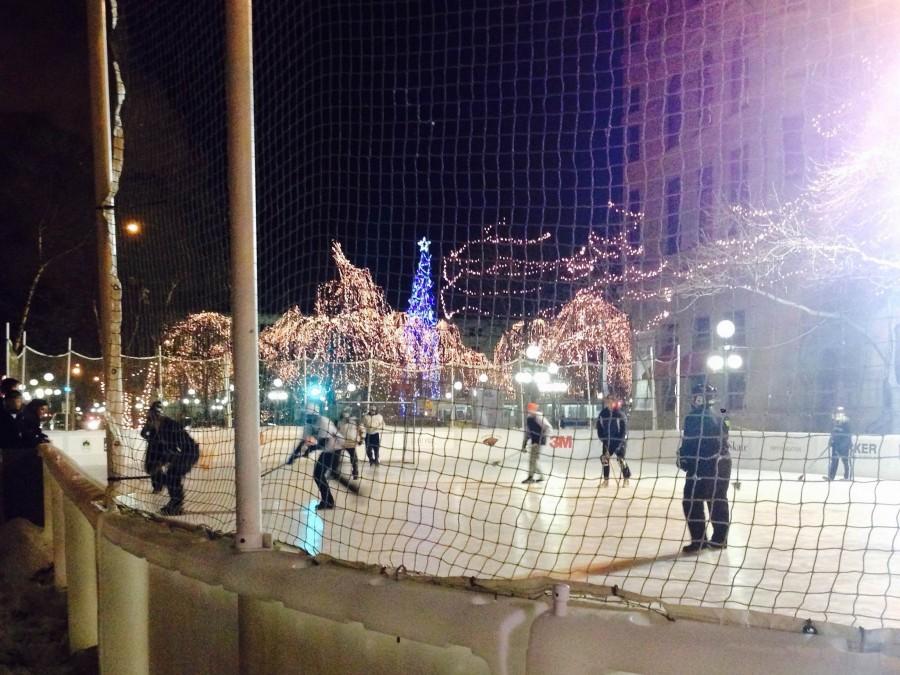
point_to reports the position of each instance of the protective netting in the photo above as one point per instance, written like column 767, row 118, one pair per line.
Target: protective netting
column 464, row 210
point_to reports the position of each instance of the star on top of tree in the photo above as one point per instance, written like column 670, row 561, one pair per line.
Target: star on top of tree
column 424, row 244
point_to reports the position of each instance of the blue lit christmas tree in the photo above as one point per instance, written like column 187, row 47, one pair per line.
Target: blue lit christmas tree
column 421, row 327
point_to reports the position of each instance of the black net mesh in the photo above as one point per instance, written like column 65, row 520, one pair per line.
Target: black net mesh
column 466, row 210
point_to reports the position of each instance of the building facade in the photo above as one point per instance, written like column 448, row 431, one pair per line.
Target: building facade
column 728, row 104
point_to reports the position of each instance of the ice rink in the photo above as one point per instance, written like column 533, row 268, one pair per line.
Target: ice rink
column 457, row 507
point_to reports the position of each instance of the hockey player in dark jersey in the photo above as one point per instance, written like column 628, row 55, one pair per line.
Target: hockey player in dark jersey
column 612, row 430
column 704, row 457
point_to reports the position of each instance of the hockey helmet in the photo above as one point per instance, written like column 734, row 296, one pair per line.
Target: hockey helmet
column 702, row 394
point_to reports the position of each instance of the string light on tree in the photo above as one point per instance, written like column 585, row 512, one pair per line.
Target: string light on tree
column 420, row 327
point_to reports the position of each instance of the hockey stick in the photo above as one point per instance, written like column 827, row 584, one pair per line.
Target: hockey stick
column 347, row 482
column 511, row 453
column 273, row 470
column 824, row 452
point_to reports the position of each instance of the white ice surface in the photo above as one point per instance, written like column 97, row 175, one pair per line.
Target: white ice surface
column 809, row 548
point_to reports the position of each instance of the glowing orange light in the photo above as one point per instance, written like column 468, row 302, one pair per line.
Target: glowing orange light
column 133, row 227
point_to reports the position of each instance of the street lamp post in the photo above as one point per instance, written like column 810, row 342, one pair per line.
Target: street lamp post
column 726, row 361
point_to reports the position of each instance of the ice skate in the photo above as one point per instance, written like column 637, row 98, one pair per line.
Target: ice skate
column 172, row 509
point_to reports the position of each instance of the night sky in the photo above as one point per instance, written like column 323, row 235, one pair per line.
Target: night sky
column 377, row 123
column 45, row 172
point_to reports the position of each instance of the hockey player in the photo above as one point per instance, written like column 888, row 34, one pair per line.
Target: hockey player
column 171, row 454
column 537, row 432
column 612, row 430
column 324, row 437
column 352, row 435
column 373, row 425
column 704, row 456
column 841, row 443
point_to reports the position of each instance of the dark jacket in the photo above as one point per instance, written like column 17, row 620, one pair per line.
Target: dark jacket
column 841, row 440
column 32, row 433
column 612, row 426
column 12, row 430
column 704, row 440
column 535, row 430
column 171, row 444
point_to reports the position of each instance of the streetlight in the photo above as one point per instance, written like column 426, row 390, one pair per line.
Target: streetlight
column 133, row 227
column 523, row 377
column 483, row 378
column 351, row 387
column 725, row 329
column 76, row 369
column 541, row 377
column 32, row 382
column 734, row 361
column 48, row 377
column 277, row 382
column 533, row 352
column 715, row 362
column 553, row 369
column 727, row 360
column 458, row 385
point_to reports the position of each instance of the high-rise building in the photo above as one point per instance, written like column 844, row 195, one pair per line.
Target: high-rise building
column 728, row 103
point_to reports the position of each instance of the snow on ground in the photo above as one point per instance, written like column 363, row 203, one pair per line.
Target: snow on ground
column 33, row 637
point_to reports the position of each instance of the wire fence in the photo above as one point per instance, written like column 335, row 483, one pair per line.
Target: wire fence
column 463, row 210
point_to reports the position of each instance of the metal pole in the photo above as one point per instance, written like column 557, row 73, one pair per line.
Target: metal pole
column 587, row 382
column 68, row 380
column 603, row 373
column 678, row 387
column 305, row 384
column 159, row 374
column 245, row 326
column 369, row 386
column 6, row 347
column 104, row 194
column 452, row 396
column 24, row 354
column 653, row 414
column 226, row 382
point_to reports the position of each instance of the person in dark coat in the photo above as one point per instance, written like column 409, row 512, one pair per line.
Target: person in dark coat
column 841, row 443
column 704, row 457
column 8, row 384
column 612, row 430
column 12, row 420
column 22, row 472
column 171, row 454
column 36, row 411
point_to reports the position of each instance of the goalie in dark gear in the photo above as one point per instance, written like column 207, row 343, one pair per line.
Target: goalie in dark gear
column 612, row 430
column 704, row 457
